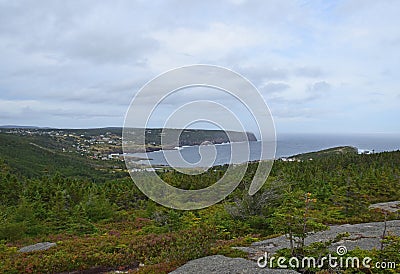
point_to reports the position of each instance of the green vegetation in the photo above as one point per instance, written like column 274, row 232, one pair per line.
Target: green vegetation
column 326, row 153
column 190, row 137
column 99, row 219
column 38, row 155
column 187, row 137
column 98, row 143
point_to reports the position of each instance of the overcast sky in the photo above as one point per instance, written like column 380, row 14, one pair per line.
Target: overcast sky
column 322, row 66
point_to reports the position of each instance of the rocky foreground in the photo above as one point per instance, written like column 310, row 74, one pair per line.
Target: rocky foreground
column 224, row 265
column 365, row 236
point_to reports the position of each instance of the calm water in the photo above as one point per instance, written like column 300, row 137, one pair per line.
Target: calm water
column 287, row 145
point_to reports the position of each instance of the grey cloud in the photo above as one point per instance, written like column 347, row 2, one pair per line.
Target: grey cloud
column 123, row 87
column 106, row 47
column 67, row 117
column 6, row 115
column 292, row 112
column 118, row 95
column 112, row 94
column 389, row 73
column 277, row 99
column 76, row 31
column 257, row 74
column 44, row 109
column 317, row 90
column 72, row 52
column 82, row 115
column 91, row 96
column 311, row 72
column 320, row 86
column 272, row 73
column 274, row 87
column 314, row 91
column 376, row 93
column 90, row 57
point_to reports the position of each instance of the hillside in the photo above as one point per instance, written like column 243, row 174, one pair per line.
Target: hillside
column 109, row 140
column 335, row 151
column 89, row 153
column 33, row 156
column 191, row 137
column 96, row 219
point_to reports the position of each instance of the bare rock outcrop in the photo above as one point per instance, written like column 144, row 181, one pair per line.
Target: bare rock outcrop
column 365, row 236
column 219, row 264
column 37, row 247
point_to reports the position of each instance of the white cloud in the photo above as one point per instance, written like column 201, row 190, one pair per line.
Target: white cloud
column 305, row 58
column 217, row 39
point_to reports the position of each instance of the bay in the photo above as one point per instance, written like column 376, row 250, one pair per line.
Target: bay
column 286, row 145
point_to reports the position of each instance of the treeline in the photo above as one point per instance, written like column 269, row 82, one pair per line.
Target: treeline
column 108, row 222
column 32, row 157
column 342, row 185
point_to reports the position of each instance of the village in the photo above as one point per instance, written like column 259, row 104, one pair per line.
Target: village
column 105, row 146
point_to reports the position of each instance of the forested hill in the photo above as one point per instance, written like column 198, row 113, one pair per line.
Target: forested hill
column 33, row 156
column 100, row 142
column 188, row 137
column 112, row 225
column 87, row 153
column 342, row 150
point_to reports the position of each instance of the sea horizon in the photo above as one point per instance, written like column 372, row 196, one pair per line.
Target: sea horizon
column 287, row 145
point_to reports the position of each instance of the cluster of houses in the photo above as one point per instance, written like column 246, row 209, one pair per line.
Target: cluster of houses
column 32, row 131
column 284, row 159
column 104, row 146
column 366, row 151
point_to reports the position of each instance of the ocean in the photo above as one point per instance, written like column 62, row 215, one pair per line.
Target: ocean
column 286, row 145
